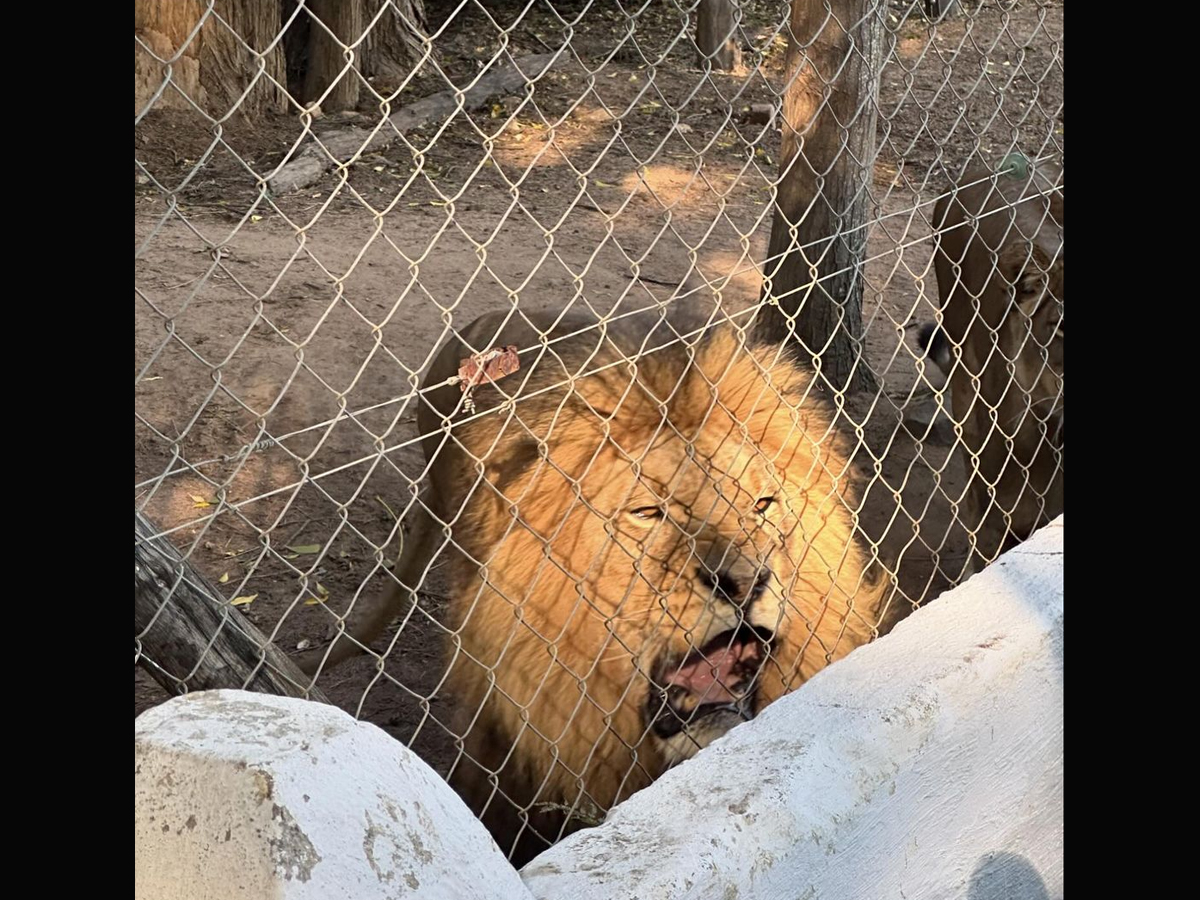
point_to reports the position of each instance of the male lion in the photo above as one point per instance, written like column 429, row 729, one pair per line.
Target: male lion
column 643, row 554
column 999, row 263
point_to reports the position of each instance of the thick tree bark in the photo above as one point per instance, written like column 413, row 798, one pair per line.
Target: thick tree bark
column 215, row 68
column 813, row 289
column 391, row 39
column 938, row 9
column 192, row 637
column 328, row 54
column 716, row 35
column 394, row 45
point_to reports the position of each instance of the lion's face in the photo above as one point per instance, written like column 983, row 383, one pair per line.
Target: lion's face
column 685, row 549
column 706, row 534
column 999, row 262
column 1035, row 340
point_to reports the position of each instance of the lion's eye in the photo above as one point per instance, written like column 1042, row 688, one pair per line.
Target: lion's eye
column 763, row 504
column 648, row 513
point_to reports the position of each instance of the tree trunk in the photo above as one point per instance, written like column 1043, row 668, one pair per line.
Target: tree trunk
column 189, row 638
column 827, row 163
column 215, row 68
column 716, row 35
column 395, row 34
column 394, row 45
column 939, row 9
column 328, row 54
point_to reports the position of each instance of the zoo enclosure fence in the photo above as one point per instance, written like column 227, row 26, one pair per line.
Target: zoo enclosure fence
column 613, row 158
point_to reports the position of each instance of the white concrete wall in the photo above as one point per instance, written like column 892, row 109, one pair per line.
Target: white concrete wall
column 927, row 765
column 241, row 795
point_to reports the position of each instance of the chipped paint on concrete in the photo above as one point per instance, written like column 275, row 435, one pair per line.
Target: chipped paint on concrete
column 292, row 852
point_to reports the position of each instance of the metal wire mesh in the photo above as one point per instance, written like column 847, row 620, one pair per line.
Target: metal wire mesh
column 327, row 194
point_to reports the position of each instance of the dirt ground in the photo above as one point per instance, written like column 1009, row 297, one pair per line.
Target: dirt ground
column 321, row 307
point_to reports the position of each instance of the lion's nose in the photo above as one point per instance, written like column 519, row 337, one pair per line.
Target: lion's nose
column 736, row 588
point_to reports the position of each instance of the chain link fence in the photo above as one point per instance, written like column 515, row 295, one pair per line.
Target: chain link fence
column 513, row 294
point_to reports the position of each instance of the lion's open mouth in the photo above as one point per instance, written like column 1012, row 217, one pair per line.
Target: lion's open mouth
column 721, row 676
